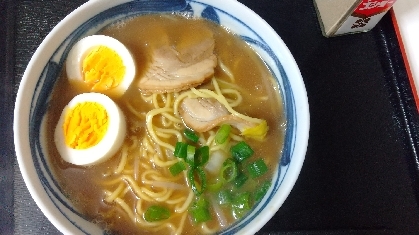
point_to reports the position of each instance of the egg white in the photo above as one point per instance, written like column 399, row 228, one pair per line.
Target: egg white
column 81, row 49
column 111, row 141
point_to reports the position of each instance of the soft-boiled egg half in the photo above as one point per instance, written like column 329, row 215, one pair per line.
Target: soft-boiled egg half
column 91, row 129
column 100, row 63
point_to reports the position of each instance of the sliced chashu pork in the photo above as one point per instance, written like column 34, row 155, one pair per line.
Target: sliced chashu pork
column 179, row 67
column 203, row 114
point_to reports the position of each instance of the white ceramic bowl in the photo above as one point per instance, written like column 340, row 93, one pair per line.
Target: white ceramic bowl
column 46, row 63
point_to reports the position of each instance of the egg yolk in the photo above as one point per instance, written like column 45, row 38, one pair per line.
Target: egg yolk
column 85, row 125
column 103, row 69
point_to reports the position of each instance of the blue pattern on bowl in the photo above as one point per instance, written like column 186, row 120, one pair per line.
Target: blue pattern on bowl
column 210, row 14
column 51, row 72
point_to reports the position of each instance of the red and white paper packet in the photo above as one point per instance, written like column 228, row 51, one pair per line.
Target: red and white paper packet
column 338, row 17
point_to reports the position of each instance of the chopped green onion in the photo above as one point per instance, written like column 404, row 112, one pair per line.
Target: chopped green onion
column 257, row 168
column 198, row 186
column 190, row 135
column 156, row 213
column 229, row 170
column 222, row 134
column 241, row 204
column 181, row 150
column 199, row 211
column 190, row 155
column 215, row 186
column 202, row 156
column 241, row 151
column 224, row 197
column 178, row 167
column 260, row 192
column 240, row 179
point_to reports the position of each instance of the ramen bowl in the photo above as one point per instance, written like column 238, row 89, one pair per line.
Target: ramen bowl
column 44, row 69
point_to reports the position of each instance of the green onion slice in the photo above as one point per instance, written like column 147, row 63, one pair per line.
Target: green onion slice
column 201, row 156
column 222, row 134
column 156, row 213
column 198, row 186
column 178, row 167
column 229, row 170
column 190, row 155
column 199, row 211
column 241, row 151
column 181, row 150
column 215, row 186
column 224, row 197
column 190, row 135
column 257, row 168
column 241, row 204
column 240, row 179
column 260, row 192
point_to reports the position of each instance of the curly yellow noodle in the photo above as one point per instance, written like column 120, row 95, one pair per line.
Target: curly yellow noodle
column 211, row 94
column 210, row 138
column 177, row 231
column 165, row 122
column 140, row 115
column 126, row 208
column 155, row 101
column 112, row 182
column 181, row 225
column 178, row 99
column 136, row 189
column 156, row 177
column 147, row 146
column 150, row 127
column 168, row 133
column 216, row 147
column 233, row 102
column 160, row 197
column 182, row 208
column 138, row 207
column 127, row 171
column 124, row 156
column 163, row 226
column 152, row 226
column 226, row 84
column 226, row 70
column 206, row 230
column 162, row 134
column 178, row 126
column 110, row 198
column 134, row 144
column 176, row 201
column 172, row 118
column 145, row 165
column 216, row 87
column 147, row 98
column 161, row 163
column 125, row 191
column 235, row 137
column 157, row 195
column 143, row 152
column 136, row 166
column 165, row 98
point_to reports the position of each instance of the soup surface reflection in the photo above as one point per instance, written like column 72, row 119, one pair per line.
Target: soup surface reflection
column 119, row 193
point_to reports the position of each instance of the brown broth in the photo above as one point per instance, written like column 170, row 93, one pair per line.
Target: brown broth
column 140, row 35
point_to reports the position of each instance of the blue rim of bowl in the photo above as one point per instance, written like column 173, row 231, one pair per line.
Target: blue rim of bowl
column 50, row 73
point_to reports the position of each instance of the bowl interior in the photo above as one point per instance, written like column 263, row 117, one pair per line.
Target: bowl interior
column 46, row 65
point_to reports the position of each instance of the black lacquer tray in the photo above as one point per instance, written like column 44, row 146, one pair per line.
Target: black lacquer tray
column 361, row 172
